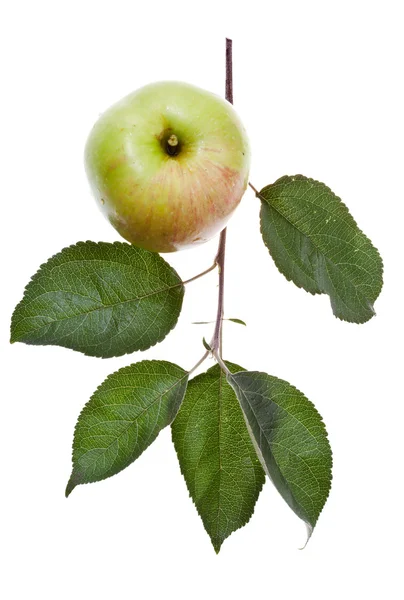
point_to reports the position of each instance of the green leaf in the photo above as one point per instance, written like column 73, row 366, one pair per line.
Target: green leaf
column 239, row 321
column 316, row 243
column 123, row 417
column 290, row 438
column 206, row 345
column 100, row 299
column 220, row 466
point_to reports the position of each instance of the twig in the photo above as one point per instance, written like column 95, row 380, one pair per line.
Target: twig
column 217, row 341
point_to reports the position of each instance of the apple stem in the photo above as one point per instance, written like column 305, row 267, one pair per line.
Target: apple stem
column 172, row 145
column 173, row 140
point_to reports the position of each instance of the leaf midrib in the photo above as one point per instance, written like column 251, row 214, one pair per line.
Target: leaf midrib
column 346, row 277
column 262, row 433
column 217, row 486
column 219, row 437
column 134, row 421
column 351, row 223
column 88, row 312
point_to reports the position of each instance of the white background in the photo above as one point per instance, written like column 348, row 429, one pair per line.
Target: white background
column 319, row 86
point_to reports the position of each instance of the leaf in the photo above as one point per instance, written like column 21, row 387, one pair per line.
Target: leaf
column 217, row 459
column 290, row 439
column 316, row 243
column 100, row 299
column 239, row 321
column 123, row 417
column 206, row 345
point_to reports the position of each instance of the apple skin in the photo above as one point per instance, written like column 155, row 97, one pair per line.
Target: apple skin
column 155, row 200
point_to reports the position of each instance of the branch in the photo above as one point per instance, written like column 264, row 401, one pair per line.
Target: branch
column 217, row 342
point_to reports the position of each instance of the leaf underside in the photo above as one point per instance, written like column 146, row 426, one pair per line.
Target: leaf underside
column 316, row 243
column 123, row 417
column 100, row 299
column 217, row 458
column 290, row 438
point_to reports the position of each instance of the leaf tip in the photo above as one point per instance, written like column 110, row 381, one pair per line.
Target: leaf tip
column 309, row 531
column 206, row 345
column 13, row 336
column 217, row 544
column 238, row 321
column 70, row 486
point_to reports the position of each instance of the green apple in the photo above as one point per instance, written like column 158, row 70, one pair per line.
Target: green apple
column 168, row 164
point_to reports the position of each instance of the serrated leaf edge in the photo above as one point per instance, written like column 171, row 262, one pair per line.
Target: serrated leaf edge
column 309, row 526
column 216, row 547
column 116, row 243
column 70, row 484
column 353, row 225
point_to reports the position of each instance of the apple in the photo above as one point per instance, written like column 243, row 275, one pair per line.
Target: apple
column 168, row 165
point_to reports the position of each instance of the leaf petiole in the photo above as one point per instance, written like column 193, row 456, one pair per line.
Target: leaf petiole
column 211, row 268
column 254, row 189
